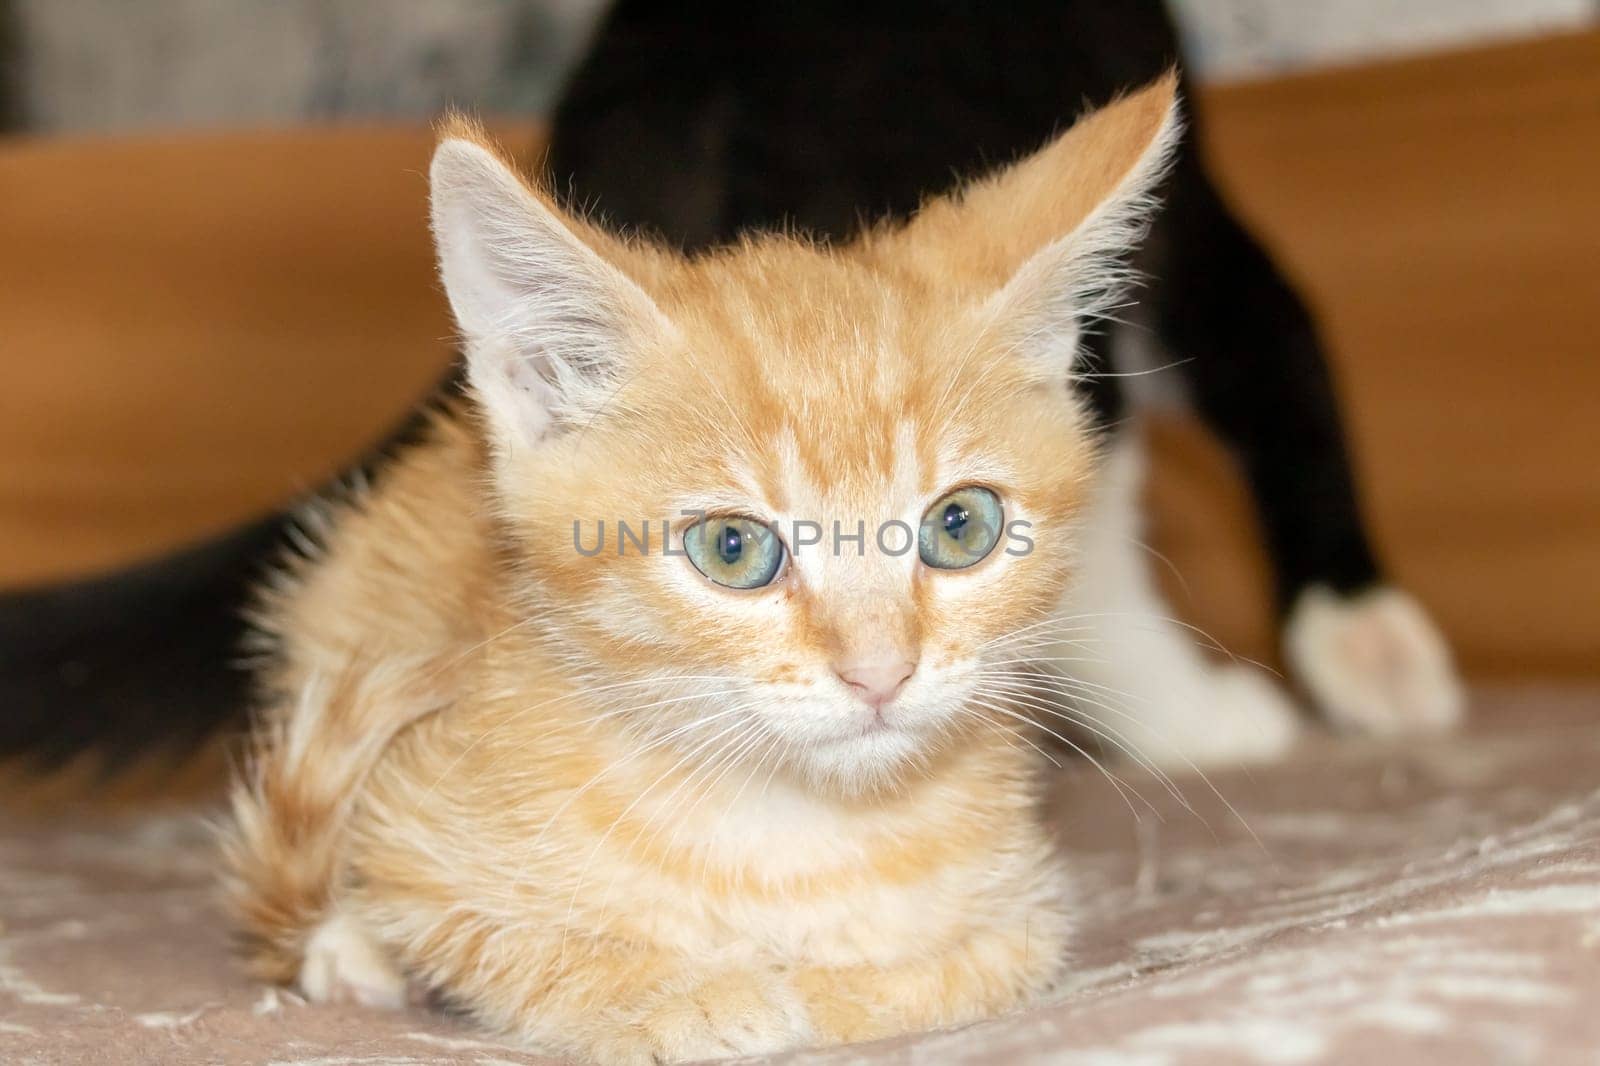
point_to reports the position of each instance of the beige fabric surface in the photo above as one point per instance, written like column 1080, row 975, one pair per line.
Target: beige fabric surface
column 1432, row 903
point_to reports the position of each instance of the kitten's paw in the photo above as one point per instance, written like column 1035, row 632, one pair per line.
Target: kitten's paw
column 739, row 1013
column 1375, row 663
column 343, row 964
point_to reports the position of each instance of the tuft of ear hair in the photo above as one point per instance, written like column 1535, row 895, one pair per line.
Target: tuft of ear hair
column 1047, row 237
column 547, row 320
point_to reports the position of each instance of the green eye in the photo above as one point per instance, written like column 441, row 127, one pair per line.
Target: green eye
column 960, row 529
column 740, row 553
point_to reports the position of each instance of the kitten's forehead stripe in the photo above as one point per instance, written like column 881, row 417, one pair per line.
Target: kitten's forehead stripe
column 776, row 474
column 827, row 381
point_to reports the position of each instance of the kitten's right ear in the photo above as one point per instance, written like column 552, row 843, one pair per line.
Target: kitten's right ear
column 1046, row 237
column 548, row 323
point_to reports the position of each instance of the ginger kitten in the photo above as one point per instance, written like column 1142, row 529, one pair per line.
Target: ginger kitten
column 735, row 792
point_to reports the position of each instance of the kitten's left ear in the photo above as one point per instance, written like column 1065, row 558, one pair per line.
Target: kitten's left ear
column 548, row 322
column 1048, row 236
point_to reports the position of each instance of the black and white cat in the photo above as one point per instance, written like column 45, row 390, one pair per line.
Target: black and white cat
column 699, row 122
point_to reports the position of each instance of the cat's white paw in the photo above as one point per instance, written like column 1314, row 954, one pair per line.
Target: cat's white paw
column 1246, row 718
column 1229, row 715
column 1374, row 663
column 343, row 964
column 1253, row 718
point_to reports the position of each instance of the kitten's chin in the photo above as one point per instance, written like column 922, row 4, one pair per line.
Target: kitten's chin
column 878, row 759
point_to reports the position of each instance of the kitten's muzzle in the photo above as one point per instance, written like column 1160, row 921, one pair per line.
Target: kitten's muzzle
column 875, row 681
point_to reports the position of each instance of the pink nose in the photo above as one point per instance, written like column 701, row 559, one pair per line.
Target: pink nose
column 875, row 681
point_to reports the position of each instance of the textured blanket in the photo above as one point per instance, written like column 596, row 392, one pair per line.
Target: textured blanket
column 1437, row 903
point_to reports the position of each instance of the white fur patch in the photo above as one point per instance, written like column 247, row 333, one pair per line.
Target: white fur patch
column 1374, row 663
column 343, row 964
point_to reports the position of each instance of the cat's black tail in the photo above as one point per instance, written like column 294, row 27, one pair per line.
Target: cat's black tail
column 140, row 661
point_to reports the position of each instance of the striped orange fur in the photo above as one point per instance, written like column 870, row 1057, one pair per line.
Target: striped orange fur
column 605, row 805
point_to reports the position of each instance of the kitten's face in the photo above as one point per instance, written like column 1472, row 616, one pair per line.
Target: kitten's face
column 912, row 389
column 838, row 398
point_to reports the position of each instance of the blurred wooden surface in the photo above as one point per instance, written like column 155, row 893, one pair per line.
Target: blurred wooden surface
column 194, row 328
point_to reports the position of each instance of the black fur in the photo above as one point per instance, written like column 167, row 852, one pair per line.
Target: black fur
column 699, row 121
column 137, row 660
column 11, row 73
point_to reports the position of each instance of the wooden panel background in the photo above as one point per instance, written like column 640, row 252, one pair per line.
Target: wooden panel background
column 195, row 327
